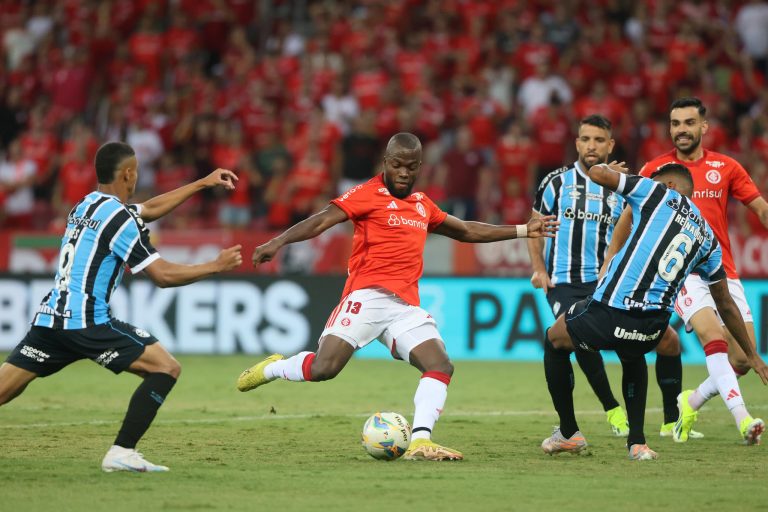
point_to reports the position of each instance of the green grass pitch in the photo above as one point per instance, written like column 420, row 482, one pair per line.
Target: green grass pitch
column 290, row 446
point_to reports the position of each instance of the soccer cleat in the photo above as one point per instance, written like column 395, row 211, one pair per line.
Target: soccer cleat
column 127, row 459
column 751, row 430
column 618, row 421
column 426, row 449
column 666, row 431
column 687, row 417
column 556, row 443
column 642, row 452
column 254, row 377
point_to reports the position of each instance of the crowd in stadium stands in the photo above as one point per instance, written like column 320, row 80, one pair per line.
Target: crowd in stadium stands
column 299, row 97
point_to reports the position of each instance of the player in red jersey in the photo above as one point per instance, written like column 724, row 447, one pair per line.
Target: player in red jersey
column 715, row 177
column 381, row 296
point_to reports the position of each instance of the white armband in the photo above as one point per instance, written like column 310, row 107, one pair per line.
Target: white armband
column 522, row 230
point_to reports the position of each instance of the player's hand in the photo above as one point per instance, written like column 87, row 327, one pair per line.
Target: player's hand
column 223, row 177
column 540, row 279
column 265, row 252
column 230, row 258
column 619, row 167
column 545, row 226
column 757, row 364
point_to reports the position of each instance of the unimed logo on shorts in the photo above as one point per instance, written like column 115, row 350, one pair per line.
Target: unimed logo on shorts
column 624, row 334
column 33, row 353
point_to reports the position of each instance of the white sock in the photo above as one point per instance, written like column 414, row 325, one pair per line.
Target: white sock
column 721, row 372
column 705, row 392
column 288, row 369
column 429, row 401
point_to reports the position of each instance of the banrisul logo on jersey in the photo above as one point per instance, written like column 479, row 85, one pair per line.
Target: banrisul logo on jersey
column 579, row 214
column 400, row 220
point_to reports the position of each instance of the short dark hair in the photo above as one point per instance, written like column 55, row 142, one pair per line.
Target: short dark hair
column 403, row 141
column 596, row 120
column 108, row 159
column 676, row 169
column 689, row 101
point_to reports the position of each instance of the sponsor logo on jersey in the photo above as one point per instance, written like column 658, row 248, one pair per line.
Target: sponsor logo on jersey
column 713, row 176
column 33, row 353
column 717, row 164
column 623, row 334
column 395, row 220
column 392, row 206
column 632, row 303
column 421, row 210
column 350, row 192
column 384, row 190
column 574, row 194
column 418, row 196
column 591, row 196
column 708, row 194
column 579, row 214
column 47, row 310
column 107, row 357
column 141, row 333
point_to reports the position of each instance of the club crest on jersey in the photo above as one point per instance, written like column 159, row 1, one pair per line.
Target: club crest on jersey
column 612, row 200
column 713, row 176
column 421, row 210
column 345, row 322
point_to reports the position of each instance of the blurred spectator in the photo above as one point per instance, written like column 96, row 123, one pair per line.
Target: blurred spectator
column 752, row 26
column 551, row 127
column 517, row 158
column 463, row 162
column 536, row 91
column 359, row 153
column 17, row 174
column 148, row 146
column 340, row 106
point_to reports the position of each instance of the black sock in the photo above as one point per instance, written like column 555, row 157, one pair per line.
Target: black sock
column 634, row 384
column 669, row 376
column 559, row 373
column 591, row 364
column 145, row 402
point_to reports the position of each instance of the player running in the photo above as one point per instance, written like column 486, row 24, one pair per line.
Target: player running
column 631, row 306
column 715, row 177
column 588, row 213
column 381, row 296
column 103, row 235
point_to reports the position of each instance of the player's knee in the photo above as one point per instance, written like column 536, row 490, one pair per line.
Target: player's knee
column 170, row 366
column 669, row 344
column 445, row 366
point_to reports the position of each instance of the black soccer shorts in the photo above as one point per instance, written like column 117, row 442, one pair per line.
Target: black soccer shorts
column 563, row 296
column 114, row 345
column 595, row 326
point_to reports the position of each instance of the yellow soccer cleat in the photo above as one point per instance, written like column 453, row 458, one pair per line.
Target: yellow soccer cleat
column 666, row 431
column 426, row 449
column 618, row 421
column 751, row 429
column 682, row 429
column 254, row 377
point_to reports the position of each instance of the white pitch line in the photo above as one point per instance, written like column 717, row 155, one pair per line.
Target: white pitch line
column 269, row 417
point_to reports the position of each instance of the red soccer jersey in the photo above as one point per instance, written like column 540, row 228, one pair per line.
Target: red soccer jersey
column 715, row 177
column 389, row 237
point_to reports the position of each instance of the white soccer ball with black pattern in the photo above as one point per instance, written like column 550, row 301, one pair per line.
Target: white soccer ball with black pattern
column 386, row 435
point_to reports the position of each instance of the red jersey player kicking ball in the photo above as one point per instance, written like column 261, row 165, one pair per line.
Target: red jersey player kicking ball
column 381, row 296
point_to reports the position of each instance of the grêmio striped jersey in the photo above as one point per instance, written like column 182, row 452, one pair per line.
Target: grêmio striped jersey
column 668, row 241
column 102, row 236
column 587, row 213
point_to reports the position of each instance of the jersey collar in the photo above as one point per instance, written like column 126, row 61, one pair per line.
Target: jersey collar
column 577, row 166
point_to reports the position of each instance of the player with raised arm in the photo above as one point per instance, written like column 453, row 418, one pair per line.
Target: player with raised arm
column 715, row 177
column 631, row 306
column 567, row 267
column 381, row 296
column 104, row 234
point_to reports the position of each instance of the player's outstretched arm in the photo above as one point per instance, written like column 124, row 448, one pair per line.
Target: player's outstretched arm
column 304, row 230
column 607, row 175
column 619, row 237
column 729, row 312
column 540, row 277
column 479, row 232
column 158, row 206
column 166, row 274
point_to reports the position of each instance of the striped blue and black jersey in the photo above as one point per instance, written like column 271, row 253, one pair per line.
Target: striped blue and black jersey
column 587, row 213
column 668, row 241
column 103, row 235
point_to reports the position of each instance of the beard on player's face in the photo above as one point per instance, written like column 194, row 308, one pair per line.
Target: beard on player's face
column 590, row 159
column 687, row 142
column 396, row 189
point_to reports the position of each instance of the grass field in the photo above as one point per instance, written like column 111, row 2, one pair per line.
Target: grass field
column 291, row 446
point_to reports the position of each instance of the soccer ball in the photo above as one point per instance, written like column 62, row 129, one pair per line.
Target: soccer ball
column 386, row 435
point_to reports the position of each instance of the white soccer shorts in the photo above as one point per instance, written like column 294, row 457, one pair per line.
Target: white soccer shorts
column 371, row 313
column 695, row 296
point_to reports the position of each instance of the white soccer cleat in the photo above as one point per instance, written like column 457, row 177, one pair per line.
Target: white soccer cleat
column 127, row 459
